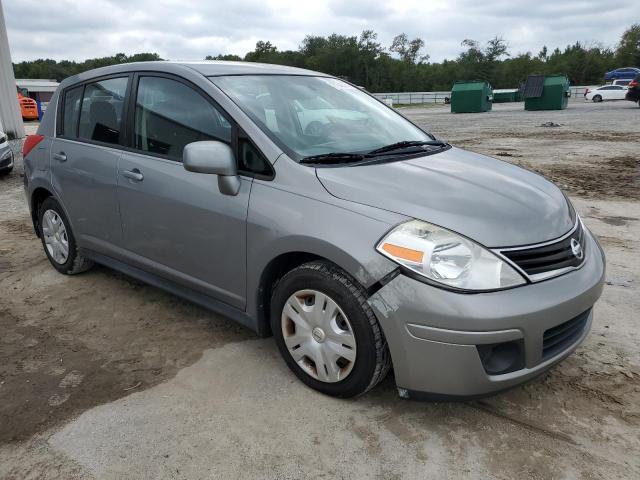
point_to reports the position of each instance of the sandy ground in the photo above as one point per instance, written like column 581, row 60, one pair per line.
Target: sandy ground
column 104, row 377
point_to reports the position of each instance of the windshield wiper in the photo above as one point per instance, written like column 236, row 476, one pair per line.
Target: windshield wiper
column 346, row 157
column 406, row 144
column 335, row 158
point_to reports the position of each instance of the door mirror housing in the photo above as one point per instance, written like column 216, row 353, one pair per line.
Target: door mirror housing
column 214, row 158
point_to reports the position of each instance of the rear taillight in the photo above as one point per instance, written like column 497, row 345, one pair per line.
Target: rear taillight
column 633, row 84
column 30, row 142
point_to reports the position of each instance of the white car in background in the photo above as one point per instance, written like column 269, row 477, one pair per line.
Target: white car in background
column 606, row 92
column 317, row 116
column 6, row 155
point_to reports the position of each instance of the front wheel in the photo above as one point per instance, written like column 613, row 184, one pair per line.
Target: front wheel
column 326, row 331
column 597, row 98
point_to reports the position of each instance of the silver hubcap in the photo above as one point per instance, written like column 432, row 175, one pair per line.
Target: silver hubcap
column 318, row 336
column 55, row 236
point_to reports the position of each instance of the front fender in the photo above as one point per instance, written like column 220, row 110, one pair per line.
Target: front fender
column 281, row 222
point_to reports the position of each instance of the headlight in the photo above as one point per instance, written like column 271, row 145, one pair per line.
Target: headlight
column 447, row 258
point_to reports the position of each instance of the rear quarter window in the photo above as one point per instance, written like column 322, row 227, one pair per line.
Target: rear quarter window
column 70, row 111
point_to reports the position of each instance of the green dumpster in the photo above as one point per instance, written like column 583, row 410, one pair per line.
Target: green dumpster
column 471, row 96
column 506, row 95
column 554, row 94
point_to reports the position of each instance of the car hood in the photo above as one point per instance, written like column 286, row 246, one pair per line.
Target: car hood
column 488, row 200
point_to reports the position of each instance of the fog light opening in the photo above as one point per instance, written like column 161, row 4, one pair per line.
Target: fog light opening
column 501, row 358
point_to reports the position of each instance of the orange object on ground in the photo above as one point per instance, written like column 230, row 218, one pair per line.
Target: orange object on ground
column 28, row 107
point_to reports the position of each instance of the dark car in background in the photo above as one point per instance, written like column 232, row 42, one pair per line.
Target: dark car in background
column 633, row 94
column 620, row 73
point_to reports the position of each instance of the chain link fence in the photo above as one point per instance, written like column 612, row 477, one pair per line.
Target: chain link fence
column 416, row 98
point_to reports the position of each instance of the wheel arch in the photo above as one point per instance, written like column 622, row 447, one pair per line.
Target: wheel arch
column 38, row 196
column 283, row 261
column 277, row 267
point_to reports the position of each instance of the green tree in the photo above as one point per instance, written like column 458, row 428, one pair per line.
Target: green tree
column 264, row 52
column 370, row 52
column 628, row 51
column 544, row 54
column 496, row 48
column 227, row 56
column 403, row 66
column 48, row 68
column 408, row 50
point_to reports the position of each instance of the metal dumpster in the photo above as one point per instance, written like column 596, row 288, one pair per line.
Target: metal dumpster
column 505, row 95
column 471, row 96
column 549, row 92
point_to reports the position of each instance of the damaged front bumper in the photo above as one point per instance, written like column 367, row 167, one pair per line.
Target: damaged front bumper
column 448, row 345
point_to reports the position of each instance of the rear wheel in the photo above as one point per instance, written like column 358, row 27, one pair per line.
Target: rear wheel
column 597, row 98
column 5, row 171
column 327, row 332
column 58, row 240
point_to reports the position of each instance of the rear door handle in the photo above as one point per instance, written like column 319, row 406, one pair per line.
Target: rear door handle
column 134, row 174
column 61, row 157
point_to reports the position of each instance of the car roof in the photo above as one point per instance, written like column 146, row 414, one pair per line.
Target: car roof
column 218, row 67
column 207, row 68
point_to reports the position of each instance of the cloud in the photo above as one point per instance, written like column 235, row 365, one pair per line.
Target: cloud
column 191, row 29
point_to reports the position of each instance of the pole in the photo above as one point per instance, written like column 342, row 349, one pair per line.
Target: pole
column 10, row 116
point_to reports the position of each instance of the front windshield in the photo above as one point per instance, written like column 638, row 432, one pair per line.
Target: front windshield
column 317, row 115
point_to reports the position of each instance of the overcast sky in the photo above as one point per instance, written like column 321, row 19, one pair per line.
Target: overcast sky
column 192, row 29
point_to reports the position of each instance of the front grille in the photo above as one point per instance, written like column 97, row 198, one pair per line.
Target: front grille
column 558, row 338
column 547, row 258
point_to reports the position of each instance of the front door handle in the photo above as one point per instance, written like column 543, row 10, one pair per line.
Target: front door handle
column 135, row 175
column 61, row 157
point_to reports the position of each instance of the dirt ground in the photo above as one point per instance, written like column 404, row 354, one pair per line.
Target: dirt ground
column 104, row 377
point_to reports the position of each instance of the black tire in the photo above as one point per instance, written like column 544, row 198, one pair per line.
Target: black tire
column 5, row 171
column 372, row 362
column 597, row 98
column 75, row 263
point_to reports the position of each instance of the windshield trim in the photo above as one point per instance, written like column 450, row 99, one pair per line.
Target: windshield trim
column 285, row 148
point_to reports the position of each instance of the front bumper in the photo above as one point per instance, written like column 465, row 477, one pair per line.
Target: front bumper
column 434, row 334
column 6, row 158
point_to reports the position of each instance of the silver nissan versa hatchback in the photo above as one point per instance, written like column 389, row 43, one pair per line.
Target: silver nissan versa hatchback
column 301, row 206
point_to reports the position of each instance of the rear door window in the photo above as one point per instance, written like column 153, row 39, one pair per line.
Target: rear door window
column 70, row 112
column 102, row 107
column 169, row 115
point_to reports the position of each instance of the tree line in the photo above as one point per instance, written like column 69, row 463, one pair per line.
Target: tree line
column 404, row 65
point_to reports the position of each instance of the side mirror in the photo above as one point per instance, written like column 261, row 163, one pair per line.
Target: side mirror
column 215, row 158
